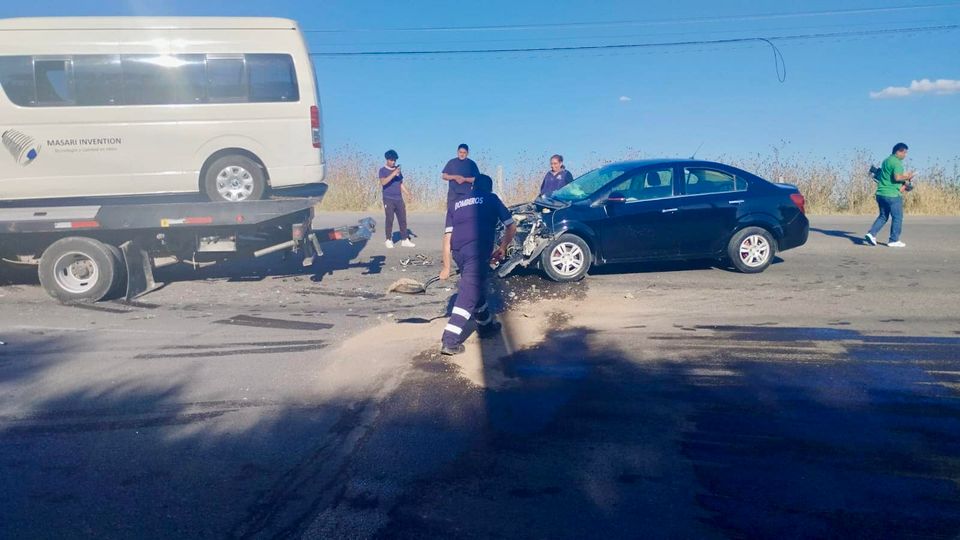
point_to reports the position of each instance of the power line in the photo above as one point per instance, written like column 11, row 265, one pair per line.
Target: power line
column 768, row 40
column 600, row 24
column 610, row 37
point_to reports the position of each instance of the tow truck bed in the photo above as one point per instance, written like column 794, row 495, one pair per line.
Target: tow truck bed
column 86, row 253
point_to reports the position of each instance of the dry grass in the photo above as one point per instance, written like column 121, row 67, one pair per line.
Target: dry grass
column 828, row 187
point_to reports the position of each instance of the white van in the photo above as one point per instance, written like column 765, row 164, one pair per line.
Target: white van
column 128, row 106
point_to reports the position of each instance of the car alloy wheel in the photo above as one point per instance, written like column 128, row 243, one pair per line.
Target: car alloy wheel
column 754, row 251
column 567, row 259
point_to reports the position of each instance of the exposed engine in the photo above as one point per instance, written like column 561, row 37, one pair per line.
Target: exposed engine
column 533, row 236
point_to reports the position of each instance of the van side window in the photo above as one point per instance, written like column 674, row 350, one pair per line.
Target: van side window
column 272, row 78
column 54, row 84
column 148, row 79
column 16, row 79
column 98, row 79
column 190, row 82
column 225, row 79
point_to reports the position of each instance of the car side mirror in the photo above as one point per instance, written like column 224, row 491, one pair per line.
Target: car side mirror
column 616, row 197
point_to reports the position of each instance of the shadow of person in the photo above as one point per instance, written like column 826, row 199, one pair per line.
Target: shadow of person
column 835, row 233
column 396, row 237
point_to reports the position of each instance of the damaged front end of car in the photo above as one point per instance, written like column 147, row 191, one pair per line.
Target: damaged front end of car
column 534, row 234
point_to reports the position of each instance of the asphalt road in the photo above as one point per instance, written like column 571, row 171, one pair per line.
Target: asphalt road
column 263, row 400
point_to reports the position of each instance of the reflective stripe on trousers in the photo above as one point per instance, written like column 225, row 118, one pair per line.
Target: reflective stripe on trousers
column 471, row 299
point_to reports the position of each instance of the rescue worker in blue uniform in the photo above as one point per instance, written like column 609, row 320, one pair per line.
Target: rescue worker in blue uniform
column 470, row 234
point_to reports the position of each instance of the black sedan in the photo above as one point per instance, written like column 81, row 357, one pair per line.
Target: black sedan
column 659, row 209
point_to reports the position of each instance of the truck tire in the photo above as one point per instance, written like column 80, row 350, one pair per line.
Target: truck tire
column 234, row 178
column 566, row 259
column 77, row 269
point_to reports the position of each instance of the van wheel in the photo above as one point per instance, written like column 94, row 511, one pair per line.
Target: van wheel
column 77, row 269
column 751, row 250
column 234, row 178
column 567, row 259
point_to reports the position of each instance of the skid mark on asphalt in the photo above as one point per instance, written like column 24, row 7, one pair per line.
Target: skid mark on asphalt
column 228, row 350
column 101, row 309
column 133, row 418
column 280, row 324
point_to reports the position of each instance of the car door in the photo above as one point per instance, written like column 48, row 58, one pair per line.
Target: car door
column 642, row 225
column 708, row 210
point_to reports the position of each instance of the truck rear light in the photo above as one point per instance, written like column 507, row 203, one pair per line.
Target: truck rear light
column 76, row 225
column 798, row 200
column 315, row 125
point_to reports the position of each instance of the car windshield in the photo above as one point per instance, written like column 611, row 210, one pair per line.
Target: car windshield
column 588, row 184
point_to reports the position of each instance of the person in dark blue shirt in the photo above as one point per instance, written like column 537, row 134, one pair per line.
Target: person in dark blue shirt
column 391, row 182
column 460, row 172
column 557, row 177
column 469, row 237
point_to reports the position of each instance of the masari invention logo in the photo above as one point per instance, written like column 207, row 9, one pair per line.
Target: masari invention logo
column 21, row 146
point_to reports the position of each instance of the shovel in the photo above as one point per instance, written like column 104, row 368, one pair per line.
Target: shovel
column 412, row 286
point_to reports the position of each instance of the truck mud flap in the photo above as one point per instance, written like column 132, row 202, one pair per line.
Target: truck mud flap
column 139, row 267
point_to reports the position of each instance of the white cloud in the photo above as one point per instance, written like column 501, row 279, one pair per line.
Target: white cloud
column 625, row 99
column 923, row 86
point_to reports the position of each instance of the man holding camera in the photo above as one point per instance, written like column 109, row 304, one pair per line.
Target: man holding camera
column 391, row 183
column 891, row 182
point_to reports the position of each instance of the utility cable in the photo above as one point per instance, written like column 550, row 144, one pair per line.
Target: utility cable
column 601, row 24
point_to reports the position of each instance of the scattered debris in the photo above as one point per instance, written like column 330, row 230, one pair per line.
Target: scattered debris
column 629, row 296
column 417, row 260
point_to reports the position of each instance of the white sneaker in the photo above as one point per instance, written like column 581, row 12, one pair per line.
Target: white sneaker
column 389, row 244
column 407, row 243
column 870, row 239
column 896, row 244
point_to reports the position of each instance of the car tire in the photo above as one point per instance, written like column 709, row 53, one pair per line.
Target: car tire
column 566, row 259
column 751, row 250
column 77, row 269
column 234, row 178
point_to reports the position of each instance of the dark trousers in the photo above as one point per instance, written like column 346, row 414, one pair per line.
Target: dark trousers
column 890, row 207
column 395, row 207
column 471, row 294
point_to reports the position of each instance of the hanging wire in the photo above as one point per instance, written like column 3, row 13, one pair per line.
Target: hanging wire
column 778, row 60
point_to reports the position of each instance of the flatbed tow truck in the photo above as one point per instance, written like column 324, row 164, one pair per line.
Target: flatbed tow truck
column 95, row 252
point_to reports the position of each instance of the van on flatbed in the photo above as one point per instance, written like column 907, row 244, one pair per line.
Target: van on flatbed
column 117, row 106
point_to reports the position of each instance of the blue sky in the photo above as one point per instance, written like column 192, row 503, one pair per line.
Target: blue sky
column 590, row 106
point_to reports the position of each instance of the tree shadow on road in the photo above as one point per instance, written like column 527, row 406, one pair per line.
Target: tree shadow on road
column 737, row 438
column 721, row 431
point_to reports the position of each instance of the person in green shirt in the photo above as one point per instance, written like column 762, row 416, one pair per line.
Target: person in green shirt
column 891, row 182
